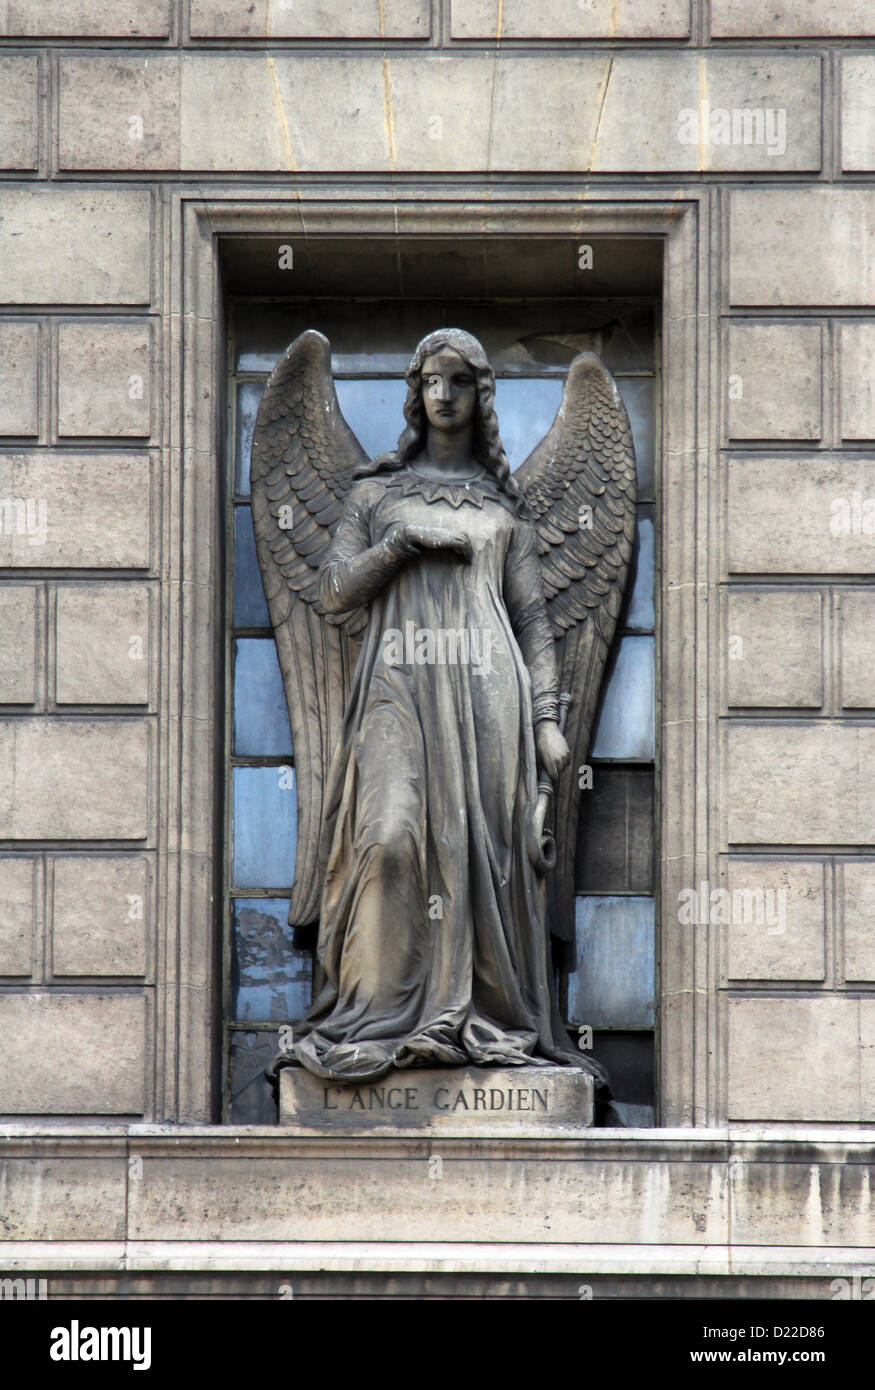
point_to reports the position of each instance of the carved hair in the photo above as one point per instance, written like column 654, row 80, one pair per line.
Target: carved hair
column 487, row 446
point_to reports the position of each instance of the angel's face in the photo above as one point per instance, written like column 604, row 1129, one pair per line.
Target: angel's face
column 449, row 391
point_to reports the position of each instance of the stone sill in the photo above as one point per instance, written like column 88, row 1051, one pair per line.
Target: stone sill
column 158, row 1193
column 375, row 1257
column 807, row 1140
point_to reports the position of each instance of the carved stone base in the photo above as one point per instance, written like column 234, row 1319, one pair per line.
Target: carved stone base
column 472, row 1101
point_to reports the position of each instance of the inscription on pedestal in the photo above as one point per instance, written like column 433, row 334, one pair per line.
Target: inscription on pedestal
column 452, row 1098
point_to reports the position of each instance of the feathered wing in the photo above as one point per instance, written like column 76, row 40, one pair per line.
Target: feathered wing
column 304, row 456
column 580, row 493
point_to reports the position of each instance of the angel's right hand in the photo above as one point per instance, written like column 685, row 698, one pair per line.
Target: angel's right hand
column 414, row 539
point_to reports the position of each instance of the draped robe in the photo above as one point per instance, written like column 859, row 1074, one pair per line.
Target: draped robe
column 432, row 935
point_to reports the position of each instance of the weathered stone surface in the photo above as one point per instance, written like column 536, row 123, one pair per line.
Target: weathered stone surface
column 827, row 530
column 796, row 1059
column 19, row 121
column 72, row 1054
column 857, row 659
column 85, row 18
column 787, row 1201
column 104, row 379
column 103, row 644
column 100, row 916
column 268, row 112
column 857, row 357
column 557, row 1191
column 75, row 510
column 802, row 246
column 73, row 780
column 800, row 784
column 305, row 19
column 422, row 111
column 739, row 19
column 19, row 378
column 16, row 916
column 18, row 661
column 67, row 246
column 683, row 111
column 774, row 385
column 796, row 1202
column 858, row 112
column 857, row 912
column 75, row 1195
column 764, row 668
column 473, row 1100
column 568, row 19
column 777, row 920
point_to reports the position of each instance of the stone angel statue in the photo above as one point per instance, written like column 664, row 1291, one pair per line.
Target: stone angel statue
column 429, row 607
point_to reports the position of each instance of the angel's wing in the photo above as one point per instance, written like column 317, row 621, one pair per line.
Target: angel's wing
column 580, row 492
column 304, row 456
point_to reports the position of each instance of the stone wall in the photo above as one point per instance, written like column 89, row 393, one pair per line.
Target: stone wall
column 114, row 115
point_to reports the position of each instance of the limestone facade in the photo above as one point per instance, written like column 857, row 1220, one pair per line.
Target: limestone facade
column 135, row 140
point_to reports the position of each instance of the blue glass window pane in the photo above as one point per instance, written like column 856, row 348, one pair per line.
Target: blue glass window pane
column 269, row 978
column 250, row 605
column 374, row 411
column 249, row 394
column 638, row 396
column 639, row 610
column 625, row 724
column 261, row 717
column 265, row 827
column 612, row 984
column 526, row 408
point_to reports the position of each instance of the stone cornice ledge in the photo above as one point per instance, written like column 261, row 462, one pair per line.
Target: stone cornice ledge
column 444, row 1257
column 786, row 1143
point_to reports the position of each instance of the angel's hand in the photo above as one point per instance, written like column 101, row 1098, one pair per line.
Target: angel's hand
column 398, row 541
column 435, row 538
column 553, row 752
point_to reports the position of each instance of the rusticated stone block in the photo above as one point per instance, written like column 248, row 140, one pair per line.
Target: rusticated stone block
column 309, row 19
column 776, row 921
column 19, row 119
column 857, row 659
column 741, row 19
column 856, row 890
column 19, row 378
column 66, row 246
column 801, row 246
column 18, row 661
column 796, row 1059
column 104, row 376
column 85, row 18
column 569, row 19
column 857, row 357
column 72, row 1054
column 774, row 380
column 103, row 644
column 858, row 112
column 73, row 779
column 828, row 528
column 437, row 111
column 764, row 668
column 75, row 511
column 801, row 784
column 16, row 916
column 100, row 917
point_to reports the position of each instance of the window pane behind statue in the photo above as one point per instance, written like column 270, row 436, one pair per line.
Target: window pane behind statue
column 269, row 971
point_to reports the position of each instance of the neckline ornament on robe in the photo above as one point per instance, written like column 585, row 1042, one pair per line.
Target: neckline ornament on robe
column 410, row 484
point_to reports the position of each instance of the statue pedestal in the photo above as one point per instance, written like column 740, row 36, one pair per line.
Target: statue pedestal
column 479, row 1102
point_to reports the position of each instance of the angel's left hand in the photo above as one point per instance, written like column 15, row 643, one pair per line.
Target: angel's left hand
column 553, row 752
